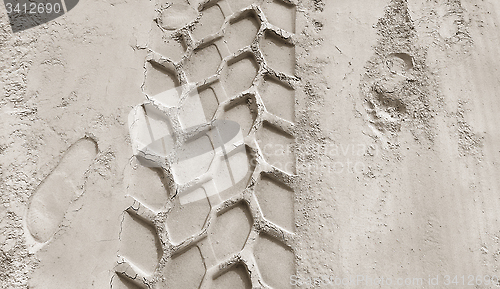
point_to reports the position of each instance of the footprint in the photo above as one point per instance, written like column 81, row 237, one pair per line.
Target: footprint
column 54, row 195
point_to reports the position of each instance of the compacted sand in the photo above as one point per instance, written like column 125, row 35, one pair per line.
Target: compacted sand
column 252, row 144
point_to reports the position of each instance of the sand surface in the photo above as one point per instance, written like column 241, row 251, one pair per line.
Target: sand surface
column 252, row 144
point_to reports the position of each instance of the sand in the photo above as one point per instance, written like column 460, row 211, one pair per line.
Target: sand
column 365, row 150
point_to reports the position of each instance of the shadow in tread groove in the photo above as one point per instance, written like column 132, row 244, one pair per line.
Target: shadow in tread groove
column 184, row 271
column 230, row 231
column 120, row 282
column 139, row 242
column 275, row 261
column 236, row 277
column 241, row 33
column 276, row 202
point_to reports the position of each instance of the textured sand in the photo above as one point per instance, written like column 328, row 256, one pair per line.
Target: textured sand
column 388, row 108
